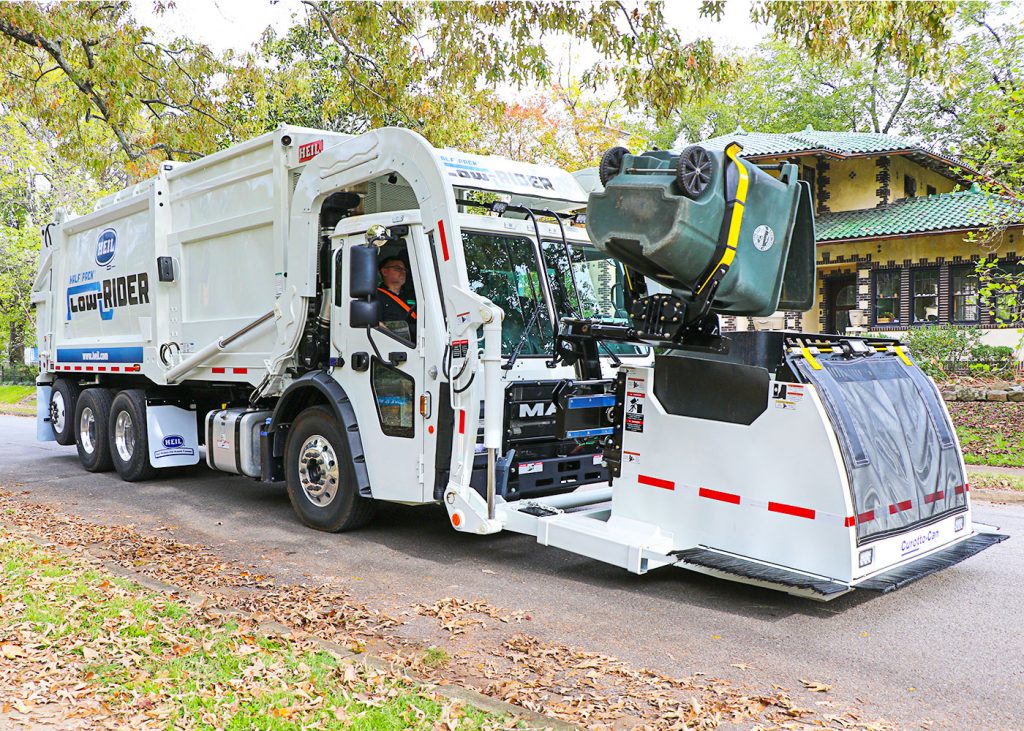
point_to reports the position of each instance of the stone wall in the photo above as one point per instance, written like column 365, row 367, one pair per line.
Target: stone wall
column 993, row 392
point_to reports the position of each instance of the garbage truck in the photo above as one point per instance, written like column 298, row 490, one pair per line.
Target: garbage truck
column 367, row 318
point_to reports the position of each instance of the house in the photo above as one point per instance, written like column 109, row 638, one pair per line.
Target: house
column 894, row 227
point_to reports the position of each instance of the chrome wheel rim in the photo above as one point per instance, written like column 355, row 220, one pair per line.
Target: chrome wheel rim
column 87, row 430
column 318, row 471
column 124, row 436
column 58, row 411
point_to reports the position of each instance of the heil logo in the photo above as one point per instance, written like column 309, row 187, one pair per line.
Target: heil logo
column 106, row 246
column 172, row 441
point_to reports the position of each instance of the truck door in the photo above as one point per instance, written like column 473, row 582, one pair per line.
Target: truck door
column 383, row 371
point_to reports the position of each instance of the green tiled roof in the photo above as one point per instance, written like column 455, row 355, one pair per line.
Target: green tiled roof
column 942, row 212
column 756, row 144
column 839, row 144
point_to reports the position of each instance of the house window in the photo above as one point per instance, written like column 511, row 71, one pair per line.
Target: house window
column 964, row 288
column 1006, row 304
column 809, row 174
column 909, row 186
column 887, row 297
column 924, row 296
column 931, row 190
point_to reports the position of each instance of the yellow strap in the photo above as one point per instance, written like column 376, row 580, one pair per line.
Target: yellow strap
column 809, row 356
column 903, row 356
column 732, row 151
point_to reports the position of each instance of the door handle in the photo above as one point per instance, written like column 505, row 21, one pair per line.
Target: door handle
column 360, row 361
column 398, row 357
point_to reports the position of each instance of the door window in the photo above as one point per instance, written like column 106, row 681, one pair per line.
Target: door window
column 396, row 291
column 394, row 393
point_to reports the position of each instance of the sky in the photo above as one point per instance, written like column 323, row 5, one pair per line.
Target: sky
column 237, row 24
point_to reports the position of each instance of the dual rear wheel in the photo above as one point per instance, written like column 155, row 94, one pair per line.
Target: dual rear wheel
column 110, row 431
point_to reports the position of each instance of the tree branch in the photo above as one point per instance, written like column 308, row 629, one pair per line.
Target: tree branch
column 86, row 87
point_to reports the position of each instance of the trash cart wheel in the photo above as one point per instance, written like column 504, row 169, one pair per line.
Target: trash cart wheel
column 611, row 163
column 693, row 171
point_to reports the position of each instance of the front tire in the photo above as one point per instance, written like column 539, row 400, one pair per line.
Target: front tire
column 320, row 475
column 92, row 415
column 63, row 402
column 129, row 441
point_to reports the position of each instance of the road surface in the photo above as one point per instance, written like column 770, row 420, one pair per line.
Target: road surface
column 945, row 652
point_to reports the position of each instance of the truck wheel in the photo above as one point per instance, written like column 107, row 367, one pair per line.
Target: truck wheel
column 320, row 475
column 129, row 441
column 92, row 415
column 63, row 400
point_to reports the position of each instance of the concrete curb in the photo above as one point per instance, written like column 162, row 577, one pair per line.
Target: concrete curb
column 269, row 627
column 997, row 496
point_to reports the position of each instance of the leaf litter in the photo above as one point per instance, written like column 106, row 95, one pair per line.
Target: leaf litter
column 588, row 689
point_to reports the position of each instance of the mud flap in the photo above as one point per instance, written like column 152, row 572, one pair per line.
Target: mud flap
column 900, row 576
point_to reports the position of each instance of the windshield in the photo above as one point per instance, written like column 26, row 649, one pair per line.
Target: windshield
column 503, row 268
column 591, row 289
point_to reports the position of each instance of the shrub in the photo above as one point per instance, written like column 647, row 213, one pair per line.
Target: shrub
column 941, row 350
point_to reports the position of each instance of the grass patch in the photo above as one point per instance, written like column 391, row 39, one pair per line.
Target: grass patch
column 996, row 481
column 995, row 449
column 14, row 394
column 12, row 400
column 991, row 433
column 146, row 661
column 436, row 657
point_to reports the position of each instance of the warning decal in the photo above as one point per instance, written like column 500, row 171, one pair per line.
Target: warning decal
column 460, row 348
column 636, row 395
column 787, row 395
column 630, row 457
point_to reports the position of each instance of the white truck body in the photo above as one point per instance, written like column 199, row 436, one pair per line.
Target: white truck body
column 219, row 299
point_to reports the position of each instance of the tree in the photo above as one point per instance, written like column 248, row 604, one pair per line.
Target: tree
column 102, row 85
column 777, row 88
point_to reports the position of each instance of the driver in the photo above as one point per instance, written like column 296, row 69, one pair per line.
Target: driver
column 397, row 308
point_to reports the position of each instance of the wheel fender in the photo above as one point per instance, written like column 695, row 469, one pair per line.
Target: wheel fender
column 317, row 387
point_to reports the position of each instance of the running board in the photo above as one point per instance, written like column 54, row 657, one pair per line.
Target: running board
column 703, row 558
column 899, row 577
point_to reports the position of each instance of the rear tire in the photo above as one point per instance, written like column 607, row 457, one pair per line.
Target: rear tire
column 63, row 401
column 92, row 416
column 129, row 440
column 320, row 475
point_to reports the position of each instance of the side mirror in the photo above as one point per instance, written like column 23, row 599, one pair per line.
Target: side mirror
column 362, row 273
column 364, row 313
column 364, row 310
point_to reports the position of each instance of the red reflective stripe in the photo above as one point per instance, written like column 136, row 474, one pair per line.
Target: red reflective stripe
column 934, row 496
column 115, row 369
column 866, row 516
column 791, row 510
column 462, row 421
column 959, row 489
column 101, row 368
column 900, row 507
column 218, row 370
column 850, row 521
column 656, row 482
column 78, row 368
column 725, row 497
column 444, row 240
column 967, row 487
column 242, row 371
